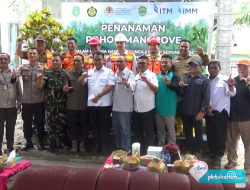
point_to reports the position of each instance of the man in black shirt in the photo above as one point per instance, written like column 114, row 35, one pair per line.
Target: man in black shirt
column 196, row 96
column 239, row 125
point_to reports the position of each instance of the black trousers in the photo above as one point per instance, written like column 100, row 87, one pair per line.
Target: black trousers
column 144, row 122
column 193, row 145
column 30, row 111
column 216, row 132
column 8, row 116
column 99, row 118
column 77, row 124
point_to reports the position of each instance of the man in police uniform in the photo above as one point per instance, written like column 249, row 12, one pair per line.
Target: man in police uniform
column 154, row 57
column 44, row 55
column 121, row 41
column 53, row 81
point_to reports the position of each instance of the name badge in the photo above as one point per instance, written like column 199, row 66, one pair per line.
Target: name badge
column 5, row 87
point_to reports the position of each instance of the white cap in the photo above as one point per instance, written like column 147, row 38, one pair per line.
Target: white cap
column 121, row 38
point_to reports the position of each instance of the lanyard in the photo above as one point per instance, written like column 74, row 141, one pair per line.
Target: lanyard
column 5, row 82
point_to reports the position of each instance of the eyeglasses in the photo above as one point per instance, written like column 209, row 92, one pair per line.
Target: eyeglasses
column 141, row 63
column 4, row 58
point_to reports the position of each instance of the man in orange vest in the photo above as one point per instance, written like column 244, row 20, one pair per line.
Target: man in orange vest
column 121, row 41
column 95, row 46
column 68, row 57
column 44, row 54
column 154, row 56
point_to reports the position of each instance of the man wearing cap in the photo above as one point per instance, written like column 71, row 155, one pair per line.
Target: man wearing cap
column 95, row 45
column 181, row 68
column 221, row 89
column 185, row 56
column 146, row 85
column 121, row 40
column 10, row 96
column 239, row 125
column 68, row 57
column 154, row 56
column 44, row 55
column 196, row 97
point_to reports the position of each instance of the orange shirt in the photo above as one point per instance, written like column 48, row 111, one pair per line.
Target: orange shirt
column 129, row 57
column 68, row 60
column 88, row 60
column 48, row 65
column 154, row 65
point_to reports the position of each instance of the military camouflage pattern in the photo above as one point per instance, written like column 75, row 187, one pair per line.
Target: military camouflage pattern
column 55, row 101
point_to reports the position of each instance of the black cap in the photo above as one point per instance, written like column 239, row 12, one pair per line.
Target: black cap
column 195, row 62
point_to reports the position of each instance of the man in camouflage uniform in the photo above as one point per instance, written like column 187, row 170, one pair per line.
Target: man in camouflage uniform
column 53, row 82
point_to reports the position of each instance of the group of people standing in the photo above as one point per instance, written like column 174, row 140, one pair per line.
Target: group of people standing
column 70, row 91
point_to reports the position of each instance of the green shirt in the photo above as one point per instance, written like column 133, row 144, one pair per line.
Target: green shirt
column 165, row 99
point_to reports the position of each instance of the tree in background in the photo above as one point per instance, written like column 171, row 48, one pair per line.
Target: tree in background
column 243, row 16
column 43, row 23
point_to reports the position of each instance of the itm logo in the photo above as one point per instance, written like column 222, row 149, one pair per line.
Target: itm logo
column 162, row 10
column 231, row 175
column 187, row 10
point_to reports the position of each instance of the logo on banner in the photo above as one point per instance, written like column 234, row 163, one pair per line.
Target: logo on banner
column 76, row 11
column 163, row 10
column 109, row 11
column 142, row 10
column 91, row 11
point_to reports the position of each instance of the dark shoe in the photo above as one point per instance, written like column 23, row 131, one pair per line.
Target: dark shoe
column 28, row 145
column 64, row 146
column 40, row 146
column 95, row 149
column 52, row 144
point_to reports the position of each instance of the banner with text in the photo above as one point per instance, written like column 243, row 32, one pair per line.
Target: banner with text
column 170, row 21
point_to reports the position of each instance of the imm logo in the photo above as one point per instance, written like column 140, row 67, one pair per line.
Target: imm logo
column 188, row 10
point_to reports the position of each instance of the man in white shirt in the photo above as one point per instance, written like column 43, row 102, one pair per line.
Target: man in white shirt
column 100, row 85
column 146, row 85
column 221, row 89
column 123, row 104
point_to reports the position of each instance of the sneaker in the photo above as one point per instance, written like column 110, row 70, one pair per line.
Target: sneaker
column 230, row 165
